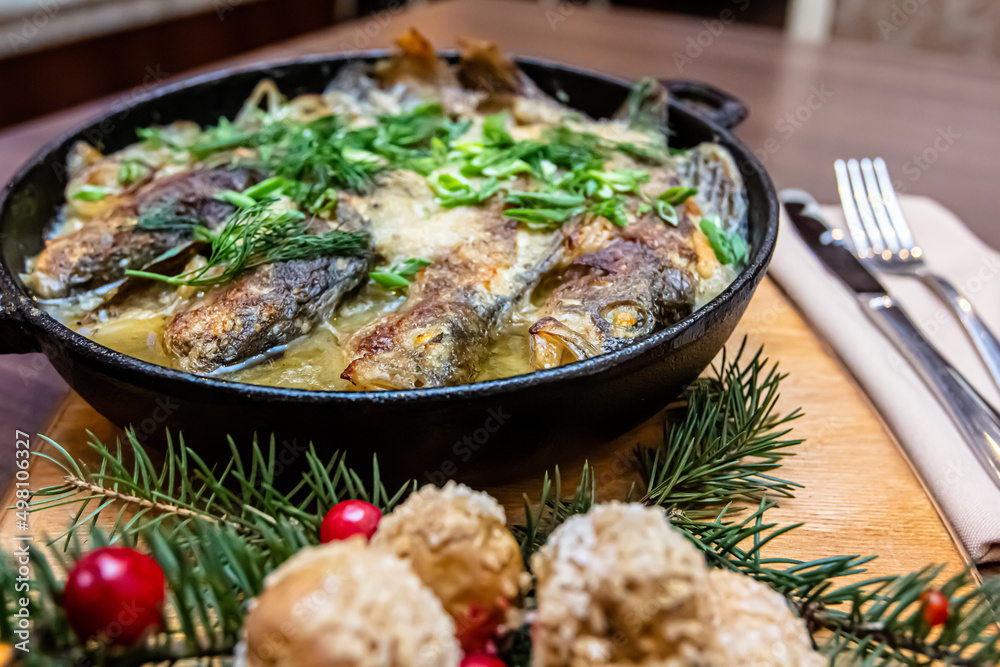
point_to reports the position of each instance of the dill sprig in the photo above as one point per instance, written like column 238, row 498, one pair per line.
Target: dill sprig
column 259, row 233
column 320, row 155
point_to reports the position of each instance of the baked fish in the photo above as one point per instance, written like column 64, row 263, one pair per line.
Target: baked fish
column 649, row 274
column 637, row 283
column 266, row 307
column 104, row 248
column 483, row 264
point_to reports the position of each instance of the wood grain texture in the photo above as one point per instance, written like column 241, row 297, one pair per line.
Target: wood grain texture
column 860, row 496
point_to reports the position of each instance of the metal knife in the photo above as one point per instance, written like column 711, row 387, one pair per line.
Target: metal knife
column 975, row 419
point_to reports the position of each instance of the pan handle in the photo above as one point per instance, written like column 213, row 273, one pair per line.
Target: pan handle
column 707, row 101
column 14, row 339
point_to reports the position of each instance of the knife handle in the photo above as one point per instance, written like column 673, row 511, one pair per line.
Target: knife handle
column 978, row 423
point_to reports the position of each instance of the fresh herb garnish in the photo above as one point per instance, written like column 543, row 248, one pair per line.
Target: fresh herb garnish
column 157, row 137
column 88, row 192
column 665, row 205
column 237, row 199
column 260, row 233
column 227, row 136
column 165, row 216
column 570, row 165
column 320, row 156
column 677, row 195
column 419, row 139
column 582, row 190
column 397, row 276
column 728, row 248
column 131, row 171
column 270, row 188
column 612, row 209
column 495, row 131
column 456, row 190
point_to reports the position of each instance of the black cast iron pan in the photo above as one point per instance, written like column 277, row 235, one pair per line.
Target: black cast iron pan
column 428, row 433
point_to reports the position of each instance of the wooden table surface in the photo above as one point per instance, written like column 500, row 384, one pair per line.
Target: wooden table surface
column 860, row 495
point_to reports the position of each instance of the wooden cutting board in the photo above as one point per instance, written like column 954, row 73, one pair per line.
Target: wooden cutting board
column 860, row 495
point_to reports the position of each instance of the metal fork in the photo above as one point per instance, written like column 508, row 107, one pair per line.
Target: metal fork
column 882, row 238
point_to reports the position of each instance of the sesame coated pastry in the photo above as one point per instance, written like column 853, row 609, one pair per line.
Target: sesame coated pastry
column 457, row 542
column 349, row 605
column 753, row 626
column 618, row 586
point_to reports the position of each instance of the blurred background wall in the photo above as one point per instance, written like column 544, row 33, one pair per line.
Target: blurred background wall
column 57, row 53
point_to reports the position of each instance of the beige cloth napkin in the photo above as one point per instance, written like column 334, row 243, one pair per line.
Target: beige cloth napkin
column 964, row 493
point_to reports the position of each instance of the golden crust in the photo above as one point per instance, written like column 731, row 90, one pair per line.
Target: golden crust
column 618, row 586
column 457, row 542
column 753, row 626
column 348, row 605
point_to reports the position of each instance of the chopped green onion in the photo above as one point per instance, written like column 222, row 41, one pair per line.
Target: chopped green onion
column 131, row 171
column 156, row 137
column 237, row 199
column 728, row 248
column 666, row 212
column 397, row 276
column 452, row 190
column 273, row 185
column 389, row 280
column 495, row 132
column 92, row 192
column 550, row 199
column 613, row 210
column 677, row 195
column 543, row 217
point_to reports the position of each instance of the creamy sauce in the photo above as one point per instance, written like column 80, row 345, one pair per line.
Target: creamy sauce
column 314, row 361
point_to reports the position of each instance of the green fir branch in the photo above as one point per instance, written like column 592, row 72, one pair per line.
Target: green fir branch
column 244, row 496
column 724, row 443
column 552, row 510
column 218, row 532
column 717, row 455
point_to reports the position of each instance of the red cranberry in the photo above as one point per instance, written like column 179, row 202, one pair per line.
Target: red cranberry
column 114, row 594
column 349, row 518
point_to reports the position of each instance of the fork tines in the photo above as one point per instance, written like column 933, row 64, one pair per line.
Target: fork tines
column 874, row 219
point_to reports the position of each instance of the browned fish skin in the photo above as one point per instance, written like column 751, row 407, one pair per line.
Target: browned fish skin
column 636, row 284
column 268, row 306
column 442, row 334
column 101, row 251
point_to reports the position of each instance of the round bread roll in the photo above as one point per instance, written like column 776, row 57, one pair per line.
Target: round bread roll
column 348, row 605
column 753, row 626
column 457, row 542
column 620, row 586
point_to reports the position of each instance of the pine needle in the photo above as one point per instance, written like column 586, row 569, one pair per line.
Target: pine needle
column 217, row 533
